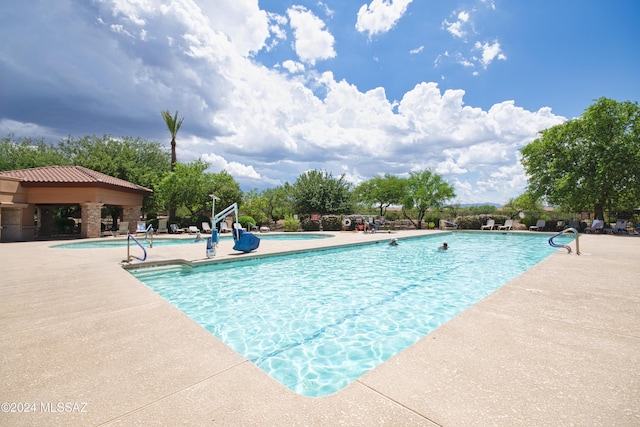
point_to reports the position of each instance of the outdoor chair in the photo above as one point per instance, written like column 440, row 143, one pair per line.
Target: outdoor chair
column 162, row 226
column 508, row 225
column 597, row 226
column 489, row 225
column 540, row 224
column 123, row 228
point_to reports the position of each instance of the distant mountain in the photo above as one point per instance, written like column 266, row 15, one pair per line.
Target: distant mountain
column 466, row 205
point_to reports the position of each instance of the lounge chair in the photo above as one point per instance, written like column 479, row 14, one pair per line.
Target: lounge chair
column 193, row 229
column 173, row 228
column 489, row 225
column 141, row 227
column 540, row 224
column 620, row 227
column 123, row 228
column 106, row 231
column 224, row 227
column 597, row 226
column 508, row 225
column 162, row 226
column 206, row 228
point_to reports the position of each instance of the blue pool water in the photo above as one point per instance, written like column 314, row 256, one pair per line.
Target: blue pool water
column 338, row 313
column 159, row 241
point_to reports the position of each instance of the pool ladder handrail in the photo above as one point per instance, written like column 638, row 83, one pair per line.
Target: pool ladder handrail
column 148, row 235
column 567, row 247
column 129, row 256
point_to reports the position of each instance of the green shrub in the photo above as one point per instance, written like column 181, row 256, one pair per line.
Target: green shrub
column 393, row 215
column 307, row 224
column 247, row 222
column 291, row 223
column 331, row 223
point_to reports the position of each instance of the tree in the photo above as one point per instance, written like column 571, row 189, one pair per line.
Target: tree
column 425, row 190
column 188, row 187
column 173, row 124
column 319, row 192
column 382, row 192
column 279, row 202
column 133, row 159
column 254, row 205
column 226, row 188
column 25, row 153
column 589, row 163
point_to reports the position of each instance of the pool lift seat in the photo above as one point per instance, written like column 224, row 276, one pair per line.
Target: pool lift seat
column 244, row 241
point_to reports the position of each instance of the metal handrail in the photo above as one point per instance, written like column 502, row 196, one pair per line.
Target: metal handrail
column 223, row 214
column 129, row 237
column 567, row 247
column 149, row 235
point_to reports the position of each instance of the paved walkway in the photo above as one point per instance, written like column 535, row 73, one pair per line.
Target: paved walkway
column 84, row 343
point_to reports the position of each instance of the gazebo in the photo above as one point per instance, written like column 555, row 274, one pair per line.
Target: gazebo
column 28, row 198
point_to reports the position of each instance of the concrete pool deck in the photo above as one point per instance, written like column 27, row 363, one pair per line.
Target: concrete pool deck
column 85, row 343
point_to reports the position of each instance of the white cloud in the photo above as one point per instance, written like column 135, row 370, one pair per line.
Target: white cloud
column 380, row 16
column 293, row 66
column 246, row 25
column 490, row 51
column 327, row 10
column 416, row 50
column 457, row 28
column 312, row 42
column 460, row 28
column 236, row 169
column 263, row 125
column 28, row 130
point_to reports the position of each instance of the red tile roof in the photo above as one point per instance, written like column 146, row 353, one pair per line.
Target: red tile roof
column 70, row 176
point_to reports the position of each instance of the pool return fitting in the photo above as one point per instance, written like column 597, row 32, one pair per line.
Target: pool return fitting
column 567, row 247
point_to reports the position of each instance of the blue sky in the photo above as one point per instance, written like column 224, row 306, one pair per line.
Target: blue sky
column 271, row 89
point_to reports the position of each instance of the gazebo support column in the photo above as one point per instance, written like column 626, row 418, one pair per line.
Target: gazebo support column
column 131, row 214
column 91, row 219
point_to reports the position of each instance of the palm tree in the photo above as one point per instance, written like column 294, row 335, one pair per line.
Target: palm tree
column 174, row 125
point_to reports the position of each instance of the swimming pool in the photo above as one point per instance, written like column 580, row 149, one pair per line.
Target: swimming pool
column 338, row 313
column 160, row 241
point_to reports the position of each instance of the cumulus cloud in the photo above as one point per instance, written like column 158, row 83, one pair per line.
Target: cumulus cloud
column 293, row 66
column 457, row 28
column 380, row 16
column 264, row 125
column 313, row 42
column 490, row 51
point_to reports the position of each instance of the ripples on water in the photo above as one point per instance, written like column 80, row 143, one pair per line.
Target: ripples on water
column 318, row 320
